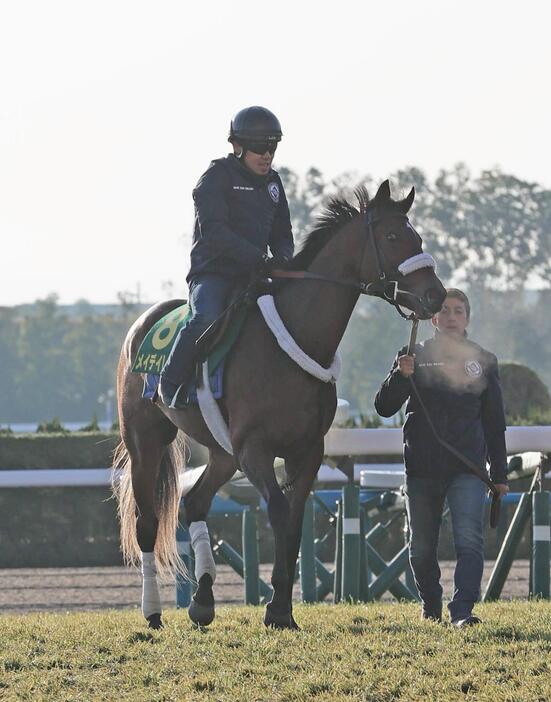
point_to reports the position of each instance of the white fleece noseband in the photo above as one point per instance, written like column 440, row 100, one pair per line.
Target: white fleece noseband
column 422, row 260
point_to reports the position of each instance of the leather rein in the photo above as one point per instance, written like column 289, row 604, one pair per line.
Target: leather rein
column 385, row 287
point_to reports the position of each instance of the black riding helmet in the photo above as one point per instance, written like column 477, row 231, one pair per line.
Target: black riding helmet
column 255, row 124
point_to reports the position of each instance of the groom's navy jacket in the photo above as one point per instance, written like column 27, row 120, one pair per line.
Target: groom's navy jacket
column 459, row 384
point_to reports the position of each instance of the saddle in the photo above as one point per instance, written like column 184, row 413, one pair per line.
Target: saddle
column 213, row 345
column 214, row 334
column 241, row 300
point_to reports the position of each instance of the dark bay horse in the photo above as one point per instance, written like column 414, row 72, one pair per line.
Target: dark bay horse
column 273, row 408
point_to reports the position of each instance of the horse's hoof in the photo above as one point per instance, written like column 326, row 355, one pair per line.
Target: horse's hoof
column 294, row 625
column 154, row 621
column 202, row 615
column 275, row 620
column 201, row 609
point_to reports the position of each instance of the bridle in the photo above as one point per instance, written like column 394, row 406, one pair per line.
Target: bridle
column 386, row 286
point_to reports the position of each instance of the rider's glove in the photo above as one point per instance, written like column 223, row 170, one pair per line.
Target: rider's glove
column 275, row 263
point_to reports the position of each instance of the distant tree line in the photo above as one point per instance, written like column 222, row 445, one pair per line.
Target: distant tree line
column 491, row 234
column 55, row 364
column 491, row 231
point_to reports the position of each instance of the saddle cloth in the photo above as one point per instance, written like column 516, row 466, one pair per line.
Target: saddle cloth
column 158, row 342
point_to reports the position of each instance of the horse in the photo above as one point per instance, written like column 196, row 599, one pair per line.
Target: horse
column 273, row 407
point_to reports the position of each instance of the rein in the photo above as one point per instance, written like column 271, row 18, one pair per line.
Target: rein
column 384, row 287
column 471, row 465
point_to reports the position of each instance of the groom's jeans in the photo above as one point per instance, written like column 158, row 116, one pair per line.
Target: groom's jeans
column 425, row 499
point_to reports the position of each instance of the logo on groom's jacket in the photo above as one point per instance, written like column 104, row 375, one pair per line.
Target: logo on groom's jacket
column 473, row 368
column 273, row 189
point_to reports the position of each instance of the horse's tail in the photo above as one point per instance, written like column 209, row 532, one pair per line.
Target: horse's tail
column 167, row 501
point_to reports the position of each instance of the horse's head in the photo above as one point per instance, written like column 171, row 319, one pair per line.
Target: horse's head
column 393, row 264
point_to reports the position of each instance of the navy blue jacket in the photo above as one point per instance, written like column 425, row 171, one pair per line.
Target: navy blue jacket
column 459, row 384
column 238, row 215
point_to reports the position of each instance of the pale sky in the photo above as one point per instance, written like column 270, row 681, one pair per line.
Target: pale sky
column 111, row 110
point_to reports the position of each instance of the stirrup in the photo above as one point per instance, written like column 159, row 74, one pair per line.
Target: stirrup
column 175, row 397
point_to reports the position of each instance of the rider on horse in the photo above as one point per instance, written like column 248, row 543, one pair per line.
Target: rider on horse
column 240, row 211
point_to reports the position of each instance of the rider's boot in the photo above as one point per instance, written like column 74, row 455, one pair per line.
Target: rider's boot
column 178, row 370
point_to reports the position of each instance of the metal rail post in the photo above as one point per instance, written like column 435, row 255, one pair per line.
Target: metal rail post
column 364, row 563
column 234, row 560
column 388, row 576
column 378, row 565
column 307, row 554
column 337, row 581
column 351, row 543
column 540, row 545
column 506, row 554
column 184, row 586
column 326, row 581
column 250, row 557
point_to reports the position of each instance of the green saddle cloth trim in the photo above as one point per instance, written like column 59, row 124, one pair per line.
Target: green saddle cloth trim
column 159, row 340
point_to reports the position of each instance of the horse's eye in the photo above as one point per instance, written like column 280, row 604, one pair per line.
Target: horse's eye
column 391, row 236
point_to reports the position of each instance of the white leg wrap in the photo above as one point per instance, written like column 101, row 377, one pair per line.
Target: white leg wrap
column 200, row 542
column 151, row 599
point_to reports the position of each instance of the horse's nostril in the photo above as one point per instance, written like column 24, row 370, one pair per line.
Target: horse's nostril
column 434, row 298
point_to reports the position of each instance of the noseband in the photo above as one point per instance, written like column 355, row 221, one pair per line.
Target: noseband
column 387, row 284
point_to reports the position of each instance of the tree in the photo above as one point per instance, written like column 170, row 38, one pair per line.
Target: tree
column 306, row 197
column 524, row 393
column 491, row 232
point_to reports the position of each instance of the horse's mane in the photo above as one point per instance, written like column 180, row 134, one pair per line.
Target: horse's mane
column 336, row 214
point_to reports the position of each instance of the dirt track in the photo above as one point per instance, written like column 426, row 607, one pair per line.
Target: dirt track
column 70, row 589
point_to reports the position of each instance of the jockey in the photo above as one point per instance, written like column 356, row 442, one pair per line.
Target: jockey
column 240, row 211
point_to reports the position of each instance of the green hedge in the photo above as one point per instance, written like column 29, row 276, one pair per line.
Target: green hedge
column 74, row 450
column 57, row 527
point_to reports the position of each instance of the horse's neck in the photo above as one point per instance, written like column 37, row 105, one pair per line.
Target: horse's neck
column 316, row 313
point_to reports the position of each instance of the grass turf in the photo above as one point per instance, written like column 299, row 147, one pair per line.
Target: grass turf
column 375, row 653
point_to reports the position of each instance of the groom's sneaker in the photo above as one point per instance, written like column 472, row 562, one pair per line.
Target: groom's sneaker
column 432, row 612
column 471, row 620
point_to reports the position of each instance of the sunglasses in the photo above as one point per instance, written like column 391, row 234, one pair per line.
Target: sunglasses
column 260, row 147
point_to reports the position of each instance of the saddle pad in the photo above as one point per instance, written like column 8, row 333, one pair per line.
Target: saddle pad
column 159, row 340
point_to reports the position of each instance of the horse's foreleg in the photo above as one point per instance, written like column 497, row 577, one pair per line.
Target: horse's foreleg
column 301, row 474
column 258, row 464
column 219, row 470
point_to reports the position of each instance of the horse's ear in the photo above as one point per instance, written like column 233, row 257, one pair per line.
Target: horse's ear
column 383, row 194
column 405, row 204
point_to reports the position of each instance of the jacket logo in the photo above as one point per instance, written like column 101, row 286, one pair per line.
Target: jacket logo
column 273, row 189
column 473, row 369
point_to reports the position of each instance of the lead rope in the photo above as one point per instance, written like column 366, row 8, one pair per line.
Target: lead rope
column 495, row 506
